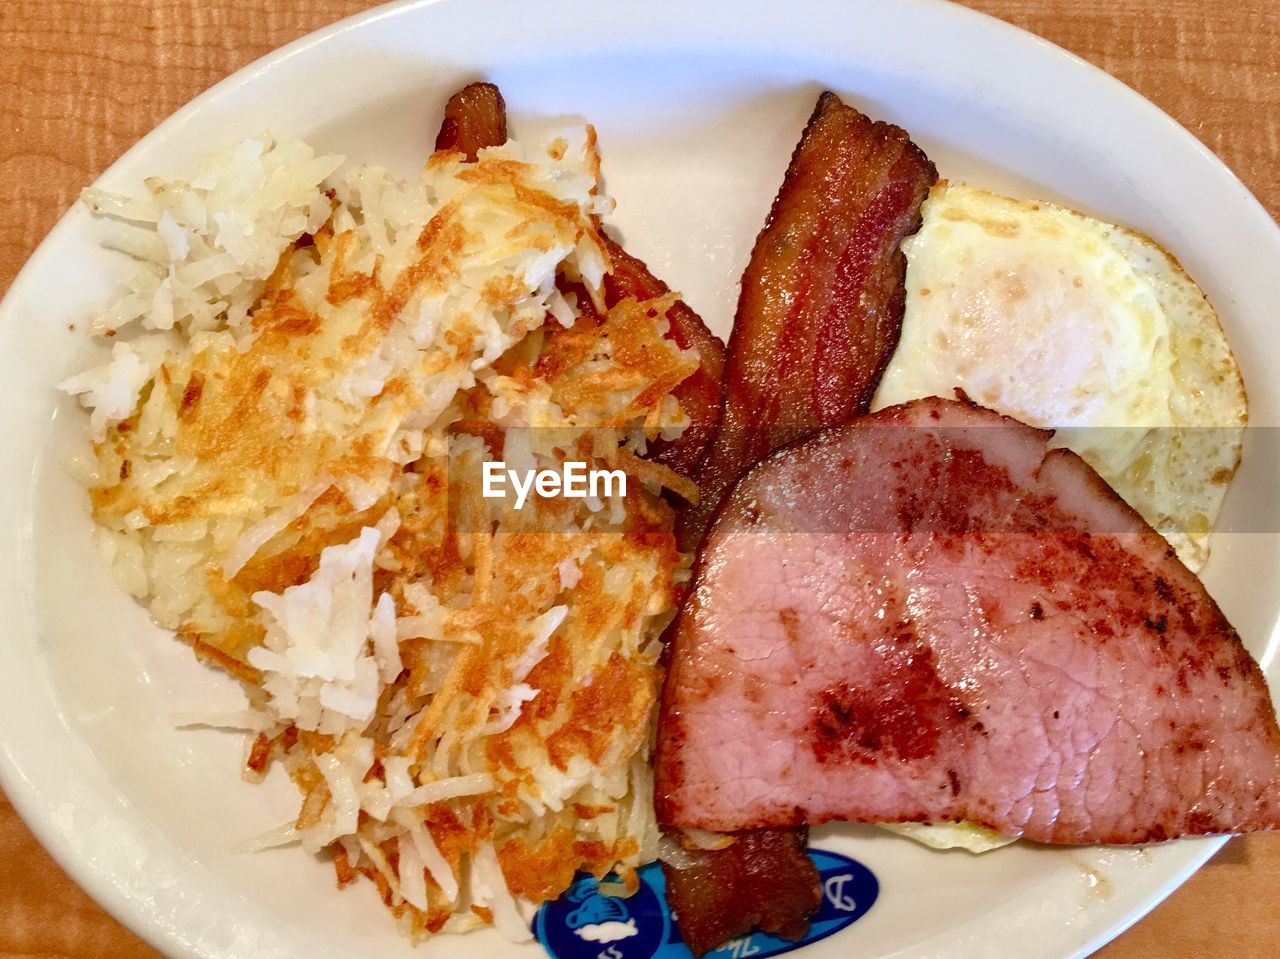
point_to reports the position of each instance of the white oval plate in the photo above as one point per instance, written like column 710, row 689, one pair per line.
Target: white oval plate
column 698, row 106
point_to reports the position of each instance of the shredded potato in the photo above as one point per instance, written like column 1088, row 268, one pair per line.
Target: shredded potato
column 311, row 372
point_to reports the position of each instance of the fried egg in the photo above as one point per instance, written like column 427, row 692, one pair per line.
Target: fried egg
column 1064, row 321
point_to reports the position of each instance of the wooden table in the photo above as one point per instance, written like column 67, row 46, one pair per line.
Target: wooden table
column 81, row 80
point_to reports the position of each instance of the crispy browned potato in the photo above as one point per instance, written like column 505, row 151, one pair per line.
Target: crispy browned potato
column 699, row 394
column 474, row 118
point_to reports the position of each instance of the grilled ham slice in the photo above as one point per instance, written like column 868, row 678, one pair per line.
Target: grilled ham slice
column 929, row 616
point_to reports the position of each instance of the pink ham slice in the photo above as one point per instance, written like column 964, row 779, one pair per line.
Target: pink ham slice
column 928, row 616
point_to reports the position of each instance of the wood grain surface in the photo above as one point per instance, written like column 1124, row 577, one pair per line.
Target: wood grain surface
column 82, row 80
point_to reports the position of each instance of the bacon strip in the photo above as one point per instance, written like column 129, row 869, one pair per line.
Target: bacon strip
column 822, row 297
column 818, row 319
column 474, row 118
column 721, row 895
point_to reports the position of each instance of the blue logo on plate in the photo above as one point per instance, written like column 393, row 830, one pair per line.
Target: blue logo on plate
column 583, row 924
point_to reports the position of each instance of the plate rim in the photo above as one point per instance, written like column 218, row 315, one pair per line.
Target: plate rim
column 34, row 806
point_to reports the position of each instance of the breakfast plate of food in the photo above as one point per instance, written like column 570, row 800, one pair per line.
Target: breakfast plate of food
column 693, row 480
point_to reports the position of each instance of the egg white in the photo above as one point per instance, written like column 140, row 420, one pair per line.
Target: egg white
column 1061, row 320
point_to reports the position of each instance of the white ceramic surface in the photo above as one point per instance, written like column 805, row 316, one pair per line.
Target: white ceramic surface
column 698, row 105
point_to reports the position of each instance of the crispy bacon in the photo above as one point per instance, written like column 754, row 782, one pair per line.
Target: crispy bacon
column 720, row 895
column 818, row 319
column 474, row 118
column 822, row 297
column 699, row 393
